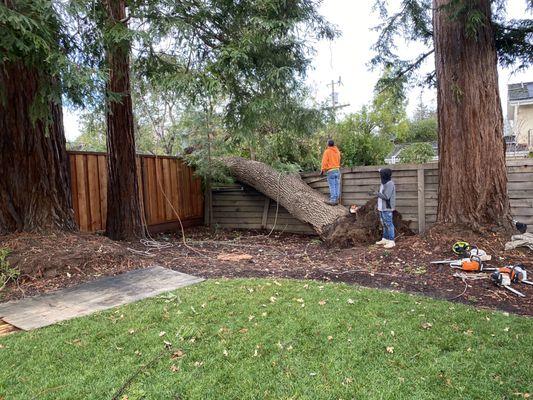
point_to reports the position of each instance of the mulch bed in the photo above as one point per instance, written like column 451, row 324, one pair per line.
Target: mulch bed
column 49, row 262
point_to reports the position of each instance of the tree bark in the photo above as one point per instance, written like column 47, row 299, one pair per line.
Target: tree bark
column 123, row 206
column 334, row 224
column 472, row 172
column 290, row 191
column 35, row 181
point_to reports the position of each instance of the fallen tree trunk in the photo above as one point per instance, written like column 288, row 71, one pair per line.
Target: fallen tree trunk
column 334, row 224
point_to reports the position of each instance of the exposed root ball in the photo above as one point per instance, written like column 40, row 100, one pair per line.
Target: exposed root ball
column 362, row 227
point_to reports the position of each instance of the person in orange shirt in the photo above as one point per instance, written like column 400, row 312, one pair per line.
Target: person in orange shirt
column 331, row 164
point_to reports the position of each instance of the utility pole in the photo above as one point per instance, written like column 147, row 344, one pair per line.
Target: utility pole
column 335, row 99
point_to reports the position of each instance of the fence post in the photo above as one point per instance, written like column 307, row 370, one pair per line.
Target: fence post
column 421, row 200
column 266, row 207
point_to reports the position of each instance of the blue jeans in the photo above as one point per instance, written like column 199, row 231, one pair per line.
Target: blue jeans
column 388, row 224
column 334, row 182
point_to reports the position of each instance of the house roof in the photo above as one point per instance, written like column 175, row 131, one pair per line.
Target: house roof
column 520, row 91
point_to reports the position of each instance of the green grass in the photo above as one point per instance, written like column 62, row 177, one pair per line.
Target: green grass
column 260, row 339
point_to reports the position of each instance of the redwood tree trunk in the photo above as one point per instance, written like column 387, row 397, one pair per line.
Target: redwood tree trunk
column 123, row 205
column 472, row 172
column 35, row 181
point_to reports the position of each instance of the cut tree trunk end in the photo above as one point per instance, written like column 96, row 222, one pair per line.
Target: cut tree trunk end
column 334, row 224
column 35, row 184
column 472, row 171
column 123, row 204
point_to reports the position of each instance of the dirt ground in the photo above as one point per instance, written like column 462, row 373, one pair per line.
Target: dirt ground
column 49, row 262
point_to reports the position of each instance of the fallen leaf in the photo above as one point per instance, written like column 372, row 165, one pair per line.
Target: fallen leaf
column 173, row 368
column 198, row 363
column 469, row 332
column 322, row 302
column 131, row 331
column 351, row 301
column 506, row 329
column 390, row 349
column 330, row 338
column 289, row 348
column 167, row 344
column 273, row 299
column 243, row 330
column 250, row 317
column 300, row 300
column 225, row 352
column 177, row 354
column 427, row 325
column 392, row 333
column 162, row 333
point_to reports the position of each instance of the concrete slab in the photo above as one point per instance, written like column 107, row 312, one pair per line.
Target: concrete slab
column 101, row 294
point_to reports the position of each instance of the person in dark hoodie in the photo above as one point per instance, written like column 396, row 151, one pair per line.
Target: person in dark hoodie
column 386, row 205
column 331, row 164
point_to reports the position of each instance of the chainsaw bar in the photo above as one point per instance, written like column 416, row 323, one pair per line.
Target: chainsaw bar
column 514, row 291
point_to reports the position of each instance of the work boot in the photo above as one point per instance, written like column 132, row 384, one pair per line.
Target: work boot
column 390, row 244
column 332, row 203
column 382, row 241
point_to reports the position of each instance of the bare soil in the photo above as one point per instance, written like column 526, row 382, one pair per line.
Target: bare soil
column 49, row 262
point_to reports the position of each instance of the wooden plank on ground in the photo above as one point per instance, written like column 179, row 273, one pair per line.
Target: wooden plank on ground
column 36, row 312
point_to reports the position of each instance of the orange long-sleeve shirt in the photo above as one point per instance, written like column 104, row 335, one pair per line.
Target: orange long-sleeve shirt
column 331, row 158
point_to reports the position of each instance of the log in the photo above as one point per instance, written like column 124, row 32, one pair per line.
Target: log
column 334, row 224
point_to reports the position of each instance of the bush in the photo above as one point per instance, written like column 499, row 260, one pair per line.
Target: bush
column 359, row 143
column 424, row 130
column 417, row 153
column 7, row 273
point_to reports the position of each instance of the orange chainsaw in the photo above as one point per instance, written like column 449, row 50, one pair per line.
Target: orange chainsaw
column 472, row 264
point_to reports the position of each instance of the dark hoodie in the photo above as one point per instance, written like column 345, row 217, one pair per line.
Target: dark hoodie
column 387, row 191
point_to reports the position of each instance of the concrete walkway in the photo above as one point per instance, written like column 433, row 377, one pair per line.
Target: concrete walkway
column 101, row 294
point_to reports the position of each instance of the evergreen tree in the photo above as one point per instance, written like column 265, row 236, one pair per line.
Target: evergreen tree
column 467, row 38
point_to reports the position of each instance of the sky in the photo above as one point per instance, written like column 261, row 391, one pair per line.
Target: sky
column 348, row 56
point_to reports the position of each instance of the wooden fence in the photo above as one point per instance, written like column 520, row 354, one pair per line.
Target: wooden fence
column 164, row 183
column 238, row 206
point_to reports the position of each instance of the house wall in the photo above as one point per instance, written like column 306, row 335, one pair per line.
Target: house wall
column 524, row 124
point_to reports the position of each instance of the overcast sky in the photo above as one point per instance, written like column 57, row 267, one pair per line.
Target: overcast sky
column 348, row 57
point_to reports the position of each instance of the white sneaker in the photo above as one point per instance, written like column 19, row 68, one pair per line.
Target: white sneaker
column 390, row 244
column 382, row 241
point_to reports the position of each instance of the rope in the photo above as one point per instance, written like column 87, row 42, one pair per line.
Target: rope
column 277, row 206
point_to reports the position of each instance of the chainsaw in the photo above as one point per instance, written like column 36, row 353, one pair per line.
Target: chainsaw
column 503, row 278
column 472, row 264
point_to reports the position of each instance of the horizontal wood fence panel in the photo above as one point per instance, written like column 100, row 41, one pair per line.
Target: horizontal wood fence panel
column 168, row 188
column 417, row 194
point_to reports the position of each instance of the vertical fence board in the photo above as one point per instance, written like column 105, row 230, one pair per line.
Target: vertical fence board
column 421, row 201
column 94, row 193
column 81, row 177
column 74, row 187
column 102, row 172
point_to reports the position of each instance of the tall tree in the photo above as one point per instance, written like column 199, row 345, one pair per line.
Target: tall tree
column 123, row 205
column 35, row 185
column 467, row 38
column 472, row 172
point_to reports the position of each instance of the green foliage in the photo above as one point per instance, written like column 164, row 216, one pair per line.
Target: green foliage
column 424, row 130
column 7, row 272
column 358, row 141
column 417, row 153
column 412, row 21
column 228, row 349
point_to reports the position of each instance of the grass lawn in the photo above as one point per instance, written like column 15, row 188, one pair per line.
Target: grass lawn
column 263, row 339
